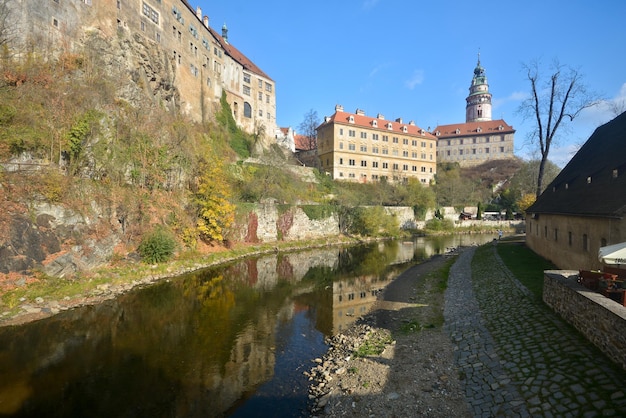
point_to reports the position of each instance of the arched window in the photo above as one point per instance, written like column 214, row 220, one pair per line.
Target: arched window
column 247, row 110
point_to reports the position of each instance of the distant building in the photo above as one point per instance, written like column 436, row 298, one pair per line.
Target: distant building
column 480, row 138
column 306, row 150
column 356, row 147
column 166, row 46
column 584, row 208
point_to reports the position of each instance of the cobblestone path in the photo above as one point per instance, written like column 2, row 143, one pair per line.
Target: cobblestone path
column 516, row 356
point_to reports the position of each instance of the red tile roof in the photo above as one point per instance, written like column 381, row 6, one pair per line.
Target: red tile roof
column 376, row 123
column 238, row 56
column 303, row 143
column 471, row 128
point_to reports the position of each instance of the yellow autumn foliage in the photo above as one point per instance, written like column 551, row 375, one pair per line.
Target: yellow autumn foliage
column 215, row 211
column 526, row 201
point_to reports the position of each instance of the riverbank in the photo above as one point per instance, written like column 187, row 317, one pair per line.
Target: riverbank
column 406, row 367
column 26, row 299
column 29, row 298
column 500, row 352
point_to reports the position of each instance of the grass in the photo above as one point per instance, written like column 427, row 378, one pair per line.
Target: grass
column 414, row 326
column 525, row 265
column 374, row 346
column 429, row 294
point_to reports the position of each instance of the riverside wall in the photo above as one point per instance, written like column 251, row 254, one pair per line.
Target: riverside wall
column 601, row 320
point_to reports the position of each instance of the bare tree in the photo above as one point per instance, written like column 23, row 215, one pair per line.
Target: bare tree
column 308, row 129
column 553, row 102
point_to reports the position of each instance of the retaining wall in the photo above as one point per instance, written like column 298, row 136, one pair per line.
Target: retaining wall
column 600, row 319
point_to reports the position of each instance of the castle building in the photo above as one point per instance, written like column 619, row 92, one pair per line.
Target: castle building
column 480, row 138
column 169, row 49
column 356, row 147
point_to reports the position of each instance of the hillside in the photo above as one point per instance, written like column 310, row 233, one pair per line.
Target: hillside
column 493, row 174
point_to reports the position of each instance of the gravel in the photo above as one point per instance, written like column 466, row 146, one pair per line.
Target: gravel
column 413, row 375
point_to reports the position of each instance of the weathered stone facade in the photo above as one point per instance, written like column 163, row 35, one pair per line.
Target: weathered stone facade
column 601, row 320
column 161, row 45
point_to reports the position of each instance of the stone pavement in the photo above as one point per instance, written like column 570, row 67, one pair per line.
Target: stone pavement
column 517, row 358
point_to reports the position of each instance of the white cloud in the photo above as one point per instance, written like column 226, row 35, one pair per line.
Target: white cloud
column 606, row 110
column 378, row 68
column 416, row 79
column 561, row 155
column 369, row 4
column 515, row 97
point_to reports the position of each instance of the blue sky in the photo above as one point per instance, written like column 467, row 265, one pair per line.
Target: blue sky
column 415, row 59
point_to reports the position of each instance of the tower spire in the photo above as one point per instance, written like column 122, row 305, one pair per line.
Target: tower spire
column 478, row 107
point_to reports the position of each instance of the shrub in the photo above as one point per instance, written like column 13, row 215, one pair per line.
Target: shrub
column 157, row 246
column 317, row 212
column 438, row 225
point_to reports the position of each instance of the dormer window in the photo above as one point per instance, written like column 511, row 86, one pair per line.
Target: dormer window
column 437, row 133
column 389, row 126
column 404, row 129
column 422, row 132
column 375, row 123
column 458, row 131
column 479, row 129
column 615, row 173
column 500, row 127
column 351, row 119
column 589, row 180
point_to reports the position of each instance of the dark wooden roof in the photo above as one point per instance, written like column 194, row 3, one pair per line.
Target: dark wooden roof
column 593, row 183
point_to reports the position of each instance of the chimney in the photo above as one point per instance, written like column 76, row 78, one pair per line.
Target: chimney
column 380, row 116
column 412, row 123
column 399, row 120
column 206, row 21
column 338, row 108
column 360, row 112
column 198, row 12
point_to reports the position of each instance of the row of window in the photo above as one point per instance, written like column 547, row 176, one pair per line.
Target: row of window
column 376, row 177
column 384, row 165
column 474, row 151
column 385, row 138
column 570, row 237
column 385, row 151
column 462, row 141
column 362, row 295
column 247, row 79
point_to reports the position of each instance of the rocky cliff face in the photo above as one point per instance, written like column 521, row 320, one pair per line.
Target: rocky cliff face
column 56, row 241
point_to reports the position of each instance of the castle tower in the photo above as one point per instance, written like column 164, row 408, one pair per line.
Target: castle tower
column 478, row 106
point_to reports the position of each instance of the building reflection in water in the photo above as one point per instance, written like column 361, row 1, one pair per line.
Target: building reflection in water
column 223, row 341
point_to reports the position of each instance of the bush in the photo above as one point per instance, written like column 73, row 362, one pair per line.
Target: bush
column 157, row 247
column 317, row 212
column 374, row 221
column 439, row 225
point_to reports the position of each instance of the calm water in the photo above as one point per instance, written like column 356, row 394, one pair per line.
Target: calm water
column 231, row 341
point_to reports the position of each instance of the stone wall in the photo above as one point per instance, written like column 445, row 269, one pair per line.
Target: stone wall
column 269, row 222
column 601, row 320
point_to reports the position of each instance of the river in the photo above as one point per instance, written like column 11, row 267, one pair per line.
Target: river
column 229, row 341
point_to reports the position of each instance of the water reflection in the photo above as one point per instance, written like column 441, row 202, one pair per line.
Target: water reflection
column 232, row 341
